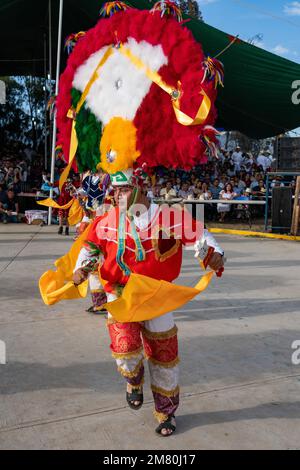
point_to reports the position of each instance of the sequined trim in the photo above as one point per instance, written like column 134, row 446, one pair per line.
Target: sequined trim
column 138, row 386
column 168, row 365
column 166, row 393
column 132, row 374
column 127, row 355
column 161, row 417
column 160, row 334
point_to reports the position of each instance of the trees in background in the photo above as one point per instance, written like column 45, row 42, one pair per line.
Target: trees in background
column 190, row 7
column 22, row 116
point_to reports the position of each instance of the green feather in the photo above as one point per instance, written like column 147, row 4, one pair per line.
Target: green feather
column 89, row 132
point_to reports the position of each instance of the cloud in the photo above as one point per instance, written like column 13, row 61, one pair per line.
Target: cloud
column 292, row 9
column 260, row 44
column 280, row 50
column 202, row 3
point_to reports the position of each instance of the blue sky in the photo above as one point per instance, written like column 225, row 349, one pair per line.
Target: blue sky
column 277, row 20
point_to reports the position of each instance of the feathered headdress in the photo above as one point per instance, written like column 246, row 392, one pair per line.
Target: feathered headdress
column 137, row 89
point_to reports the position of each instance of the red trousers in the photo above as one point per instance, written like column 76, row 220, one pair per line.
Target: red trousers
column 157, row 341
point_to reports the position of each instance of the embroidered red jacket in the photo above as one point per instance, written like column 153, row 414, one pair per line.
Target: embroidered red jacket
column 161, row 241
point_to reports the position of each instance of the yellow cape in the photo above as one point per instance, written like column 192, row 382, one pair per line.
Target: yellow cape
column 143, row 298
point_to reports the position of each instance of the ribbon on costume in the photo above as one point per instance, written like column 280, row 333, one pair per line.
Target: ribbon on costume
column 175, row 95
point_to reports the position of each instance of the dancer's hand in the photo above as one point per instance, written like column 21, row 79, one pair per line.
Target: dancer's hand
column 216, row 261
column 79, row 276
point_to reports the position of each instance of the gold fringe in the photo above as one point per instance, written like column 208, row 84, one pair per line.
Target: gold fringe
column 165, row 393
column 134, row 373
column 167, row 365
column 160, row 334
column 127, row 355
column 139, row 386
column 97, row 291
column 161, row 417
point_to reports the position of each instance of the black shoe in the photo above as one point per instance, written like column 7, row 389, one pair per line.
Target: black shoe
column 135, row 395
column 60, row 230
column 168, row 424
column 67, row 231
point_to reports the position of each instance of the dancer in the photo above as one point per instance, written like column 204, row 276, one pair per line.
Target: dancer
column 138, row 93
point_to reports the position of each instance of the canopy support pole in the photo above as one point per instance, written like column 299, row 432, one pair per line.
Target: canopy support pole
column 61, row 4
column 45, row 104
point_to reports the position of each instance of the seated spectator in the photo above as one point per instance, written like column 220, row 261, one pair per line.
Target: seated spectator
column 10, row 209
column 177, row 185
column 148, row 191
column 2, row 175
column 205, row 193
column 9, row 178
column 3, row 195
column 254, row 183
column 260, row 190
column 184, row 192
column 168, row 192
column 247, row 180
column 277, row 182
column 226, row 194
column 17, row 184
column 197, row 190
column 235, row 185
column 156, row 190
column 215, row 189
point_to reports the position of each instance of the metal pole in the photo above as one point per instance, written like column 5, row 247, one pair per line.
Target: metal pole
column 267, row 202
column 50, row 73
column 50, row 45
column 45, row 101
column 61, row 4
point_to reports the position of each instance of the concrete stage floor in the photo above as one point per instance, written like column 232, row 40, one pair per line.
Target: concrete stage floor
column 240, row 390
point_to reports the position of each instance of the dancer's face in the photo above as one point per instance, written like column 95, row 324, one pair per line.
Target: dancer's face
column 123, row 195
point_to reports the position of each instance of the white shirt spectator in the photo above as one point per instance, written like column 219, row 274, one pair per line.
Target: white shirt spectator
column 264, row 161
column 237, row 158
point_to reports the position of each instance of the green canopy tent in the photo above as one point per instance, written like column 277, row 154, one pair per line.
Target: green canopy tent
column 256, row 99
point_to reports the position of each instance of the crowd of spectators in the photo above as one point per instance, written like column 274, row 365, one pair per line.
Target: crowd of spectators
column 235, row 175
column 20, row 172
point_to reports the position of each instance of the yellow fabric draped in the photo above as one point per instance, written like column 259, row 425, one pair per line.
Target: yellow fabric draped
column 57, row 285
column 51, row 203
column 143, row 298
column 75, row 214
column 181, row 117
